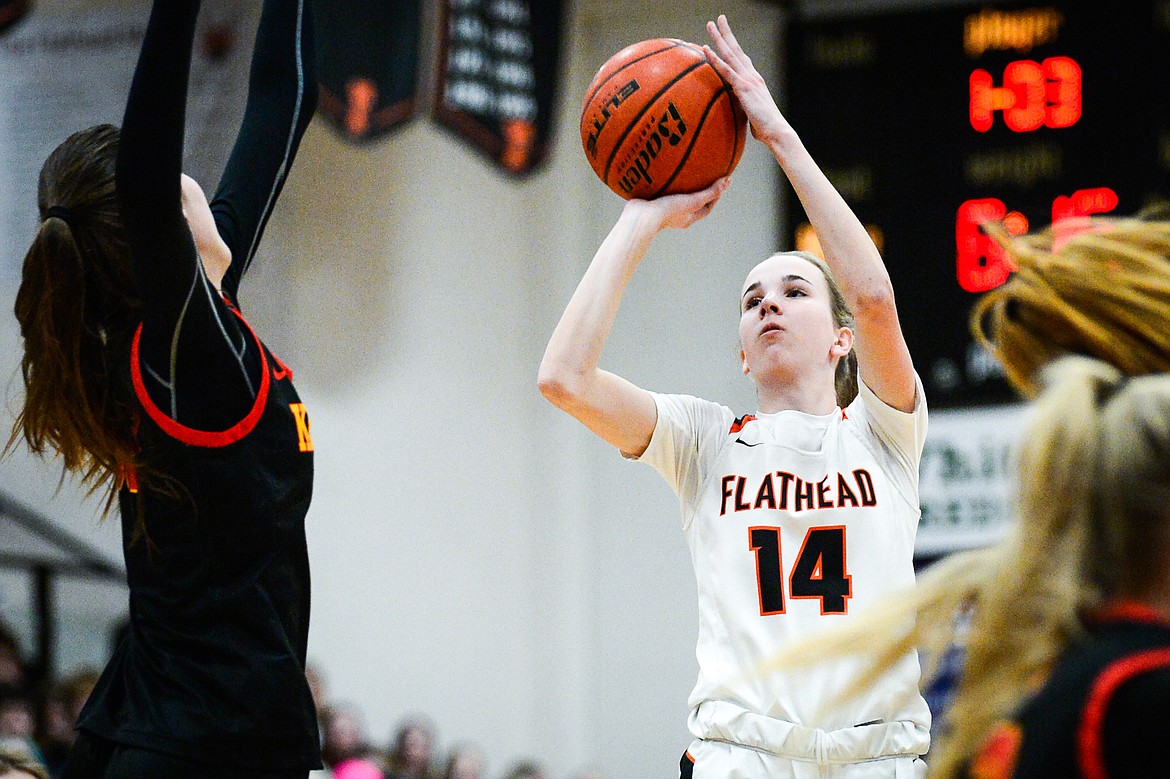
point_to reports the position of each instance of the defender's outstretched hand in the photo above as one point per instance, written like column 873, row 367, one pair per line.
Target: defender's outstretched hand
column 737, row 70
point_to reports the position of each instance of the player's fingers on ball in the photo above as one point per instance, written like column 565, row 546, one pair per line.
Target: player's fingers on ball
column 711, row 194
column 713, row 31
column 720, row 66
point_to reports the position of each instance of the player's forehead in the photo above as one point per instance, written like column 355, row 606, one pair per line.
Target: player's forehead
column 781, row 267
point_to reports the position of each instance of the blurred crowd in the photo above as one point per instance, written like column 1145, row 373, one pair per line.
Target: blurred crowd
column 412, row 753
column 36, row 731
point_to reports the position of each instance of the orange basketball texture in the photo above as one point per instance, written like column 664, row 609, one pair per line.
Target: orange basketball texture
column 658, row 119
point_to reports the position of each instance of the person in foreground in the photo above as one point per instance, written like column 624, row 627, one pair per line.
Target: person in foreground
column 141, row 373
column 1067, row 669
column 799, row 516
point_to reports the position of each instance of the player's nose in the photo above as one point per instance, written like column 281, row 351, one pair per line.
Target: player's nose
column 770, row 304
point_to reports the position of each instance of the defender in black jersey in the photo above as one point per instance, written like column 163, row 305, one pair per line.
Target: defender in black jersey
column 142, row 372
column 1102, row 713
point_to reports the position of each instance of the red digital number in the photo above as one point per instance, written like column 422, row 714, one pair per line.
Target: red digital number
column 981, row 264
column 1083, row 202
column 1033, row 95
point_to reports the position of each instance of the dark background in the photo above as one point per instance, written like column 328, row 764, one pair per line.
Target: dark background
column 897, row 117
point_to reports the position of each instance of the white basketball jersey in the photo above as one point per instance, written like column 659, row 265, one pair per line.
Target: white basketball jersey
column 796, row 523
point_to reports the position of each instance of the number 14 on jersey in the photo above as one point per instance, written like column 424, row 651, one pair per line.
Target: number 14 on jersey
column 819, row 571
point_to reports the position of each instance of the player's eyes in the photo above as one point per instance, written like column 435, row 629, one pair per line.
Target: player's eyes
column 751, row 303
column 795, row 292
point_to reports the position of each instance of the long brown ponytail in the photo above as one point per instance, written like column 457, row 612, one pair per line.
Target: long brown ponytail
column 77, row 307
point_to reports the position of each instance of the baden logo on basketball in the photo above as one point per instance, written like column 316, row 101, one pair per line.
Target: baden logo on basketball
column 671, row 128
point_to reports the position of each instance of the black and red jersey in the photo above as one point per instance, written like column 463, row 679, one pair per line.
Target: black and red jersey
column 211, row 669
column 1104, row 712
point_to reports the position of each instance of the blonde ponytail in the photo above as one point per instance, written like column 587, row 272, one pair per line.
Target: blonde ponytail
column 1104, row 293
column 1047, row 573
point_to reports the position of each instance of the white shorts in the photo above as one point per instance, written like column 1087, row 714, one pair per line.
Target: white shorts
column 734, row 742
column 720, row 760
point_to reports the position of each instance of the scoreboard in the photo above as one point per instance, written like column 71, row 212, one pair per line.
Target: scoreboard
column 930, row 122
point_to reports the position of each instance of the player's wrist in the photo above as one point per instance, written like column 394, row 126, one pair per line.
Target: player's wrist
column 777, row 134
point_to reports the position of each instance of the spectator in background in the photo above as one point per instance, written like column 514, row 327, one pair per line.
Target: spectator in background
column 15, row 764
column 18, row 725
column 344, row 735
column 526, row 770
column 318, row 690
column 12, row 674
column 412, row 754
column 357, row 768
column 464, row 762
column 59, row 710
column 17, row 715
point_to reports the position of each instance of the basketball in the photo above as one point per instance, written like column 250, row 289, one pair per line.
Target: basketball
column 658, row 119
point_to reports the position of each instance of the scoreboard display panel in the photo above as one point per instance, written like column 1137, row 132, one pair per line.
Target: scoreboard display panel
column 933, row 121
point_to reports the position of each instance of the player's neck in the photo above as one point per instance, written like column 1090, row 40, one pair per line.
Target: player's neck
column 808, row 397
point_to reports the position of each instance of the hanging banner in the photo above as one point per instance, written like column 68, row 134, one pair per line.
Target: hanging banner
column 367, row 63
column 498, row 67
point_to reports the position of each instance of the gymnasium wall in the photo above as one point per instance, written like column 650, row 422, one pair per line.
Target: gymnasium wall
column 477, row 556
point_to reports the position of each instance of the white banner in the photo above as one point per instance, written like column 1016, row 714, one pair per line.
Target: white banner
column 966, row 476
column 65, row 70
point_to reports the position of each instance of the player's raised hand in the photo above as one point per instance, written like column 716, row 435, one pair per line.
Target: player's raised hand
column 679, row 210
column 736, row 68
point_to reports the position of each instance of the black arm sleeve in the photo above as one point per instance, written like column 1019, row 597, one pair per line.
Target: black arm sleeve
column 282, row 96
column 200, row 366
column 150, row 158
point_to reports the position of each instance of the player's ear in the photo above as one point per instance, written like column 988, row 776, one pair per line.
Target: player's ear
column 843, row 344
column 743, row 363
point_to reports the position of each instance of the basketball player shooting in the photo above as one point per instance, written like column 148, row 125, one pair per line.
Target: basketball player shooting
column 798, row 516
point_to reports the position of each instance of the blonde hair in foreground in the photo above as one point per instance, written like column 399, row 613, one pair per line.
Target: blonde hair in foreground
column 1097, row 287
column 1093, row 493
